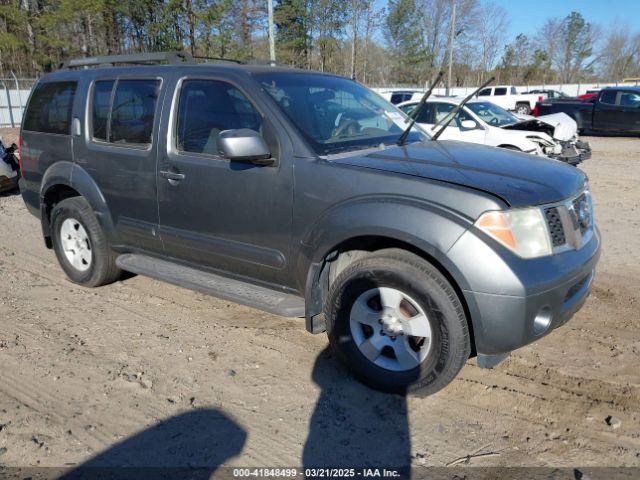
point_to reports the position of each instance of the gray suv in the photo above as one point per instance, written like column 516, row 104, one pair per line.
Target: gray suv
column 286, row 190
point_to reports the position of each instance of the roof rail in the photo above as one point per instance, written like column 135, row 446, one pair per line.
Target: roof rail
column 171, row 58
column 217, row 59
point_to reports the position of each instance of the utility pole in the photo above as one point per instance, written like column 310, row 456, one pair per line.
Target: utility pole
column 272, row 42
column 451, row 38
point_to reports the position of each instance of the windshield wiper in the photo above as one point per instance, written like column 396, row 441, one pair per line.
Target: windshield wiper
column 416, row 111
column 454, row 112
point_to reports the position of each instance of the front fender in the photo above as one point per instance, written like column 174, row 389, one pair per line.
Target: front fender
column 73, row 176
column 431, row 228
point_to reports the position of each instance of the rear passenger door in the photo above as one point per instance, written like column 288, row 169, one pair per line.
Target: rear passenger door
column 120, row 150
column 229, row 216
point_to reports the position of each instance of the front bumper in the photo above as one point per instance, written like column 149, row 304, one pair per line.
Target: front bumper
column 574, row 153
column 513, row 302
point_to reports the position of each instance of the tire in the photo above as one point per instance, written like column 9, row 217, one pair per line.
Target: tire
column 431, row 365
column 76, row 234
column 523, row 109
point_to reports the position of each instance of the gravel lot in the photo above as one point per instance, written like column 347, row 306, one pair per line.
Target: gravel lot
column 141, row 372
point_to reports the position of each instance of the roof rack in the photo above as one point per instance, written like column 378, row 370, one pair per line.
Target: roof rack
column 171, row 58
column 218, row 59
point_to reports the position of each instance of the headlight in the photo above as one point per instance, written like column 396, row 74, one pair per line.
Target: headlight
column 523, row 231
column 540, row 140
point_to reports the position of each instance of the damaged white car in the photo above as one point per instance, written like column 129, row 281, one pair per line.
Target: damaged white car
column 9, row 168
column 479, row 121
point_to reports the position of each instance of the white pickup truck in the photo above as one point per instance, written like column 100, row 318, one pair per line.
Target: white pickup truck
column 507, row 97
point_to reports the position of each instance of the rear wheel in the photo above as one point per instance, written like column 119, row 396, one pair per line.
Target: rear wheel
column 80, row 244
column 523, row 109
column 397, row 323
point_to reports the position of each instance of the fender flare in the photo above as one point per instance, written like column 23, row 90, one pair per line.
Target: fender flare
column 429, row 228
column 73, row 176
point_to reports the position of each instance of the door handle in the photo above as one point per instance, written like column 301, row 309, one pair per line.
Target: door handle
column 169, row 175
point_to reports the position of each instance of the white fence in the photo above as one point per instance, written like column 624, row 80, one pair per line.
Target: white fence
column 14, row 93
column 573, row 90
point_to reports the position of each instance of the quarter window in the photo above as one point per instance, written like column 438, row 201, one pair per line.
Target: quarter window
column 206, row 108
column 50, row 108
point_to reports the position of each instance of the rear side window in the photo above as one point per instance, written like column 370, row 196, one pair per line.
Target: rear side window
column 608, row 97
column 206, row 108
column 127, row 115
column 50, row 108
column 101, row 104
column 134, row 106
column 500, row 91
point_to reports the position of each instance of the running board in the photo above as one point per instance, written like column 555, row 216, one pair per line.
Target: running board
column 262, row 298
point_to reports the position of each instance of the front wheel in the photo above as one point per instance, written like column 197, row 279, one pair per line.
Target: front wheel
column 397, row 323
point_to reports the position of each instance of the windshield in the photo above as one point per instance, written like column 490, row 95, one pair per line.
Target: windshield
column 335, row 114
column 492, row 113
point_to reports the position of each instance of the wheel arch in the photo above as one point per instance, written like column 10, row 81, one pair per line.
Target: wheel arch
column 350, row 249
column 65, row 180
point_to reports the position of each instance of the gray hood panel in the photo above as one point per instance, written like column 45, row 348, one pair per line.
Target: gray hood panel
column 520, row 179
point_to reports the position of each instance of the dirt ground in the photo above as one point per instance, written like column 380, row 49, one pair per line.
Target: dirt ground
column 141, row 372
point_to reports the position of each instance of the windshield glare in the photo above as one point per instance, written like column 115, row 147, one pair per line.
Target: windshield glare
column 492, row 113
column 335, row 114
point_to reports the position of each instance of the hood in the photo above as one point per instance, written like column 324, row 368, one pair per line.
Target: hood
column 517, row 178
column 557, row 125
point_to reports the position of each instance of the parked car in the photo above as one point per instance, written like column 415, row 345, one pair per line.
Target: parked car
column 398, row 96
column 286, row 190
column 9, row 170
column 553, row 136
column 614, row 110
column 507, row 97
column 549, row 93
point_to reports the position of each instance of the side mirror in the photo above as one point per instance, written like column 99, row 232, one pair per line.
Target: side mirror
column 244, row 145
column 468, row 125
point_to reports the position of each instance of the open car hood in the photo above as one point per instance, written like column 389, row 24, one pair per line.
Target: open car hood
column 560, row 126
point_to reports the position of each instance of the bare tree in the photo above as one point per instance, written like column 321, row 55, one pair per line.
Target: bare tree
column 488, row 32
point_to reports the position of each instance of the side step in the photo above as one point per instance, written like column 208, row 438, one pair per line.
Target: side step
column 237, row 291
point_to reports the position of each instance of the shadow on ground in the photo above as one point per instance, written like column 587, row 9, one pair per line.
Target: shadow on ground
column 192, row 445
column 354, row 426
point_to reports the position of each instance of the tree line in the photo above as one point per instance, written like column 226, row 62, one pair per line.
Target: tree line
column 400, row 42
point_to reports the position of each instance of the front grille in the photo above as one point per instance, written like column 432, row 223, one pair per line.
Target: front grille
column 556, row 229
column 581, row 213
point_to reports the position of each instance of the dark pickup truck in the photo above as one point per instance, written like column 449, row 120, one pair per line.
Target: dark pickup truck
column 615, row 109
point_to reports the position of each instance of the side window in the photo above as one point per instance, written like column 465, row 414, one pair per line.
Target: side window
column 608, row 97
column 132, row 113
column 426, row 115
column 500, row 91
column 485, row 92
column 100, row 104
column 630, row 99
column 408, row 108
column 442, row 111
column 206, row 108
column 514, row 91
column 50, row 108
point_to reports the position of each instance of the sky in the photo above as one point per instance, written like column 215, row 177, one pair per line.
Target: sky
column 526, row 16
